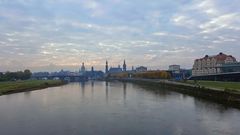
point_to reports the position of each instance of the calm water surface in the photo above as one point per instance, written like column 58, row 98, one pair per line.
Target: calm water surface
column 114, row 108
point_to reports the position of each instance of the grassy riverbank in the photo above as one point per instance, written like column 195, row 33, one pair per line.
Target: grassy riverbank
column 227, row 93
column 28, row 85
column 217, row 85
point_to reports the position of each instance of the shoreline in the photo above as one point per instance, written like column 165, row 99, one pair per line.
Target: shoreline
column 25, row 86
column 224, row 97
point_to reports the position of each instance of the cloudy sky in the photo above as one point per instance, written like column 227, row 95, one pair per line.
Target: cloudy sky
column 54, row 34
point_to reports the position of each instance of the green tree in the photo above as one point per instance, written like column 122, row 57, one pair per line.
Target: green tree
column 27, row 74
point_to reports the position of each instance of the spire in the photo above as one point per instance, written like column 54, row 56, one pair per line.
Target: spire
column 106, row 67
column 124, row 66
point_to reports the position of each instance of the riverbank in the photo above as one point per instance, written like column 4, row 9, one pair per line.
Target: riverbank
column 234, row 86
column 224, row 96
column 28, row 85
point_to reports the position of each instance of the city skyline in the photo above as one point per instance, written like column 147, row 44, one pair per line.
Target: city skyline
column 49, row 35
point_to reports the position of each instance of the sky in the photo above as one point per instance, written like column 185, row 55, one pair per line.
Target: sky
column 49, row 35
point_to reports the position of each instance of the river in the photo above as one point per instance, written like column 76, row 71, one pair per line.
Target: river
column 113, row 108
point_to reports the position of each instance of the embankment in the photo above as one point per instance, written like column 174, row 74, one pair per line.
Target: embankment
column 225, row 97
column 28, row 85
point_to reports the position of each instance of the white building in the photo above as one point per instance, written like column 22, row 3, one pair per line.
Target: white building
column 174, row 68
column 211, row 64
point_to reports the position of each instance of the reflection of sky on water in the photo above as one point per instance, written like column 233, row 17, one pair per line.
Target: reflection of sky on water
column 113, row 108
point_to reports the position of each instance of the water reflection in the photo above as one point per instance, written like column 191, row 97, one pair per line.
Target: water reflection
column 205, row 104
column 113, row 108
column 106, row 91
column 92, row 89
column 82, row 84
column 92, row 84
column 124, row 91
column 27, row 94
column 157, row 91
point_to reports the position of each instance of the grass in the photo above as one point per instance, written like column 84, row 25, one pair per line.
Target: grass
column 19, row 86
column 218, row 84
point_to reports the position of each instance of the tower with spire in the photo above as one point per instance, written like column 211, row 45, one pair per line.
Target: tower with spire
column 92, row 69
column 124, row 66
column 106, row 67
column 82, row 68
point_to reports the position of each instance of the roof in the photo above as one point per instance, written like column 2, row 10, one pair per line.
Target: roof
column 140, row 67
column 219, row 57
column 114, row 69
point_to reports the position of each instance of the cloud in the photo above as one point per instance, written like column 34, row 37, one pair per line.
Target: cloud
column 184, row 21
column 67, row 32
column 208, row 7
column 149, row 56
column 226, row 21
column 172, row 35
column 221, row 39
column 160, row 34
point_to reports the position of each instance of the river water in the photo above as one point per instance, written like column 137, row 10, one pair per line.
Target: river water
column 113, row 108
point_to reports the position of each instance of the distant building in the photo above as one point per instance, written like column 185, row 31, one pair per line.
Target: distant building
column 83, row 69
column 174, row 68
column 94, row 74
column 180, row 74
column 115, row 70
column 106, row 67
column 124, row 66
column 177, row 73
column 220, row 63
column 40, row 74
column 92, row 69
column 141, row 69
column 132, row 68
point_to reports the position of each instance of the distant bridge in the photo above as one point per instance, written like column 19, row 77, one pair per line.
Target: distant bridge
column 231, row 76
column 62, row 77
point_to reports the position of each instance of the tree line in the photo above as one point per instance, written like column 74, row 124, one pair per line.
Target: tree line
column 19, row 75
column 153, row 75
column 144, row 75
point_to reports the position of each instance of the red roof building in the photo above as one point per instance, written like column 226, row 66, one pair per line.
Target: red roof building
column 211, row 64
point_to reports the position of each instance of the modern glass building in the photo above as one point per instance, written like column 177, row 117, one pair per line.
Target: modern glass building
column 230, row 67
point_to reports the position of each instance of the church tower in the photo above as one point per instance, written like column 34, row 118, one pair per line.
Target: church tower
column 92, row 69
column 106, row 67
column 124, row 66
column 83, row 68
